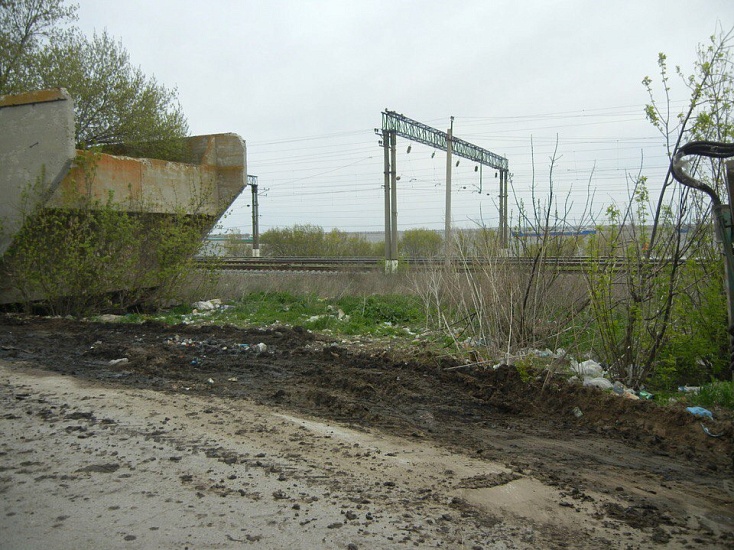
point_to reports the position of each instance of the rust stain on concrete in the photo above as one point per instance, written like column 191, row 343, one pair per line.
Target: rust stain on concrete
column 40, row 96
column 121, row 176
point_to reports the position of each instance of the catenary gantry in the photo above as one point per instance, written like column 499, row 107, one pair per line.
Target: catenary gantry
column 395, row 124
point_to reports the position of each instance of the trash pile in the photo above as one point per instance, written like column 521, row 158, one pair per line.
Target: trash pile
column 333, row 312
column 589, row 372
column 213, row 346
column 593, row 375
column 208, row 305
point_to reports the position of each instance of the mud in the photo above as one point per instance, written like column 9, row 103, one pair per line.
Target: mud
column 503, row 463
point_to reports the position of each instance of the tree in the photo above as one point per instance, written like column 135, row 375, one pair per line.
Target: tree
column 420, row 243
column 666, row 318
column 115, row 103
column 299, row 240
column 24, row 27
column 235, row 244
column 341, row 244
column 311, row 240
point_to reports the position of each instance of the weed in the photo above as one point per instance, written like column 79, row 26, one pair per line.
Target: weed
column 389, row 315
column 80, row 254
column 717, row 393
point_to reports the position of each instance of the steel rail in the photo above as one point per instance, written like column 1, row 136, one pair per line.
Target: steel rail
column 577, row 263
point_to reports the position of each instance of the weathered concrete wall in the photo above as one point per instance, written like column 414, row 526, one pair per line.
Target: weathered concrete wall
column 158, row 186
column 36, row 151
column 40, row 168
column 228, row 153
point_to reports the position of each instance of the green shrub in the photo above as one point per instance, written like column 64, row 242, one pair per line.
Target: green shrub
column 94, row 255
column 311, row 241
column 420, row 243
column 395, row 309
column 716, row 394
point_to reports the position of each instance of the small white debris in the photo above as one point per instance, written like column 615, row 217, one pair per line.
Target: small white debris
column 599, row 382
column 121, row 361
column 204, row 306
column 588, row 369
column 110, row 318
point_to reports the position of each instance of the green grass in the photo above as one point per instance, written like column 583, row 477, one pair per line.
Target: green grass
column 715, row 394
column 374, row 315
column 386, row 315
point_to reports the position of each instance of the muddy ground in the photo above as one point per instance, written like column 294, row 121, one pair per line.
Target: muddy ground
column 306, row 442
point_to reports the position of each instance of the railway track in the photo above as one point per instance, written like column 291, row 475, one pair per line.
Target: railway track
column 372, row 264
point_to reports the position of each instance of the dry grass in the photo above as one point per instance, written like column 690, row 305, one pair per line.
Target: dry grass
column 232, row 285
column 503, row 308
column 498, row 308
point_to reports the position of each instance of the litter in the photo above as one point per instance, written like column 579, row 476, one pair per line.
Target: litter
column 588, row 369
column 599, row 382
column 700, row 411
column 707, row 432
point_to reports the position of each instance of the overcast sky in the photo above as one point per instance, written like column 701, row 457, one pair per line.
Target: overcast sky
column 304, row 83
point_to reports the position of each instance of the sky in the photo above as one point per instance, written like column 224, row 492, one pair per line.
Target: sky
column 304, row 83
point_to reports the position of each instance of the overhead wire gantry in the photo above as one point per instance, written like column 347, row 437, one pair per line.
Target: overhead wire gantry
column 395, row 124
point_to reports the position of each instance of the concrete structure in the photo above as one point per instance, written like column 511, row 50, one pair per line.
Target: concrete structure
column 36, row 153
column 206, row 187
column 40, row 168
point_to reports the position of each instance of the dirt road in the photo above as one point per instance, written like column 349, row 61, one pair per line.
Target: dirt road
column 146, row 436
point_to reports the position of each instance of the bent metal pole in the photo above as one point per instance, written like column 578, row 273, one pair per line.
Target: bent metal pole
column 723, row 214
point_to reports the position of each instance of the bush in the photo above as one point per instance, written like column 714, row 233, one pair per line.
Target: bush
column 716, row 393
column 97, row 255
column 420, row 243
column 395, row 309
column 312, row 241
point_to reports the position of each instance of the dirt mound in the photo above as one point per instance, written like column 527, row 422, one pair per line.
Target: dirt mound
column 654, row 460
column 664, row 429
column 293, row 367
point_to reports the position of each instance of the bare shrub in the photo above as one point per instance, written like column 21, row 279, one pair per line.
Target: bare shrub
column 501, row 300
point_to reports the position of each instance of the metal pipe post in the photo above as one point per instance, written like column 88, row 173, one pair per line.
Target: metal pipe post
column 506, row 234
column 394, row 204
column 447, row 224
column 502, row 210
column 727, row 230
column 255, row 227
column 388, row 232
